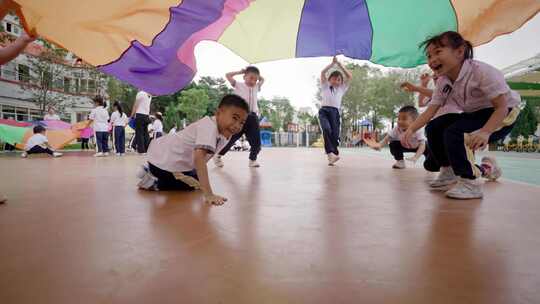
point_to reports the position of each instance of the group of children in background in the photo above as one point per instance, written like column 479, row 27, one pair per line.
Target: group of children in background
column 470, row 106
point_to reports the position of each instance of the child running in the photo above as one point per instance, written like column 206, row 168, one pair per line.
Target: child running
column 38, row 143
column 248, row 90
column 178, row 161
column 332, row 90
column 119, row 120
column 100, row 117
column 417, row 143
column 489, row 111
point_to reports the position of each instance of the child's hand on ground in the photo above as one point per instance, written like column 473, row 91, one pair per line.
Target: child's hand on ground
column 412, row 159
column 214, row 199
column 408, row 87
column 424, row 79
column 477, row 139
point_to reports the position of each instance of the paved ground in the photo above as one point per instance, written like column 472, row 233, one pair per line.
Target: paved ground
column 76, row 230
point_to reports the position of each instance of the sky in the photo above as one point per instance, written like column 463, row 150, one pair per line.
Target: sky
column 296, row 78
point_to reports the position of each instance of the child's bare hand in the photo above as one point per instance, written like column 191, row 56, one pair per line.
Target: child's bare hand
column 408, row 87
column 424, row 79
column 214, row 199
column 412, row 159
column 372, row 144
column 406, row 138
column 477, row 140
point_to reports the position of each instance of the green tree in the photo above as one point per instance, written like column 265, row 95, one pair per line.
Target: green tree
column 193, row 103
column 526, row 123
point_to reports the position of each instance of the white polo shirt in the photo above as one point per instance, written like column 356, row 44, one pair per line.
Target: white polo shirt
column 249, row 94
column 100, row 116
column 35, row 140
column 174, row 152
column 477, row 85
column 119, row 120
column 157, row 126
column 397, row 133
column 331, row 97
column 144, row 99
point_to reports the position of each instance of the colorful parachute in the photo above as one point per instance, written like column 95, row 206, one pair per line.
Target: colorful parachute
column 150, row 43
column 58, row 133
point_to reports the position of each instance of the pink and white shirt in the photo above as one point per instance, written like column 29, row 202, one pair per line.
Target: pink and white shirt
column 477, row 85
column 396, row 134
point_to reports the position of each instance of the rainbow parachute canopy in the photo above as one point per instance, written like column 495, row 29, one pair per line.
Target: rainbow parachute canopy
column 150, row 43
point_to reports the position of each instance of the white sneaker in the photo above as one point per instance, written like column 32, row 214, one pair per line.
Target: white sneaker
column 466, row 189
column 218, row 161
column 143, row 169
column 106, row 154
column 122, row 154
column 400, row 164
column 445, row 178
column 99, row 154
column 253, row 164
column 57, row 154
column 148, row 182
column 118, row 154
column 24, row 154
column 491, row 168
column 332, row 159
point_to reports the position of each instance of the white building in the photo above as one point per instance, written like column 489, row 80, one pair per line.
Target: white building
column 76, row 83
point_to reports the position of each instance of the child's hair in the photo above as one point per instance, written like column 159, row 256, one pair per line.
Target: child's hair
column 335, row 74
column 232, row 100
column 450, row 39
column 99, row 101
column 252, row 69
column 411, row 110
column 159, row 116
column 38, row 129
column 119, row 107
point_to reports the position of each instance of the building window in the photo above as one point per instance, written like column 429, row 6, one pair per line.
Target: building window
column 77, row 85
column 22, row 114
column 9, row 71
column 91, row 86
column 24, row 73
column 84, row 85
column 8, row 112
column 67, row 84
column 9, row 27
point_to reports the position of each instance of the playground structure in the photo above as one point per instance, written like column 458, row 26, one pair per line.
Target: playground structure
column 530, row 145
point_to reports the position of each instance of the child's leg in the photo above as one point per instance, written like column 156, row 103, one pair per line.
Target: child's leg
column 430, row 163
column 231, row 142
column 121, row 139
column 253, row 135
column 435, row 134
column 461, row 157
column 167, row 181
column 324, row 121
column 99, row 141
column 39, row 149
column 396, row 149
column 335, row 124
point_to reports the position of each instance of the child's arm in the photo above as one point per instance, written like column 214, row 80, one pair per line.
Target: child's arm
column 377, row 145
column 230, row 76
column 423, row 99
column 135, row 107
column 261, row 81
column 418, row 123
column 11, row 51
column 480, row 138
column 199, row 156
column 419, row 152
column 348, row 74
column 326, row 69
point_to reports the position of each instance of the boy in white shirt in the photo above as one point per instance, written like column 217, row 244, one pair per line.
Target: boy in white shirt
column 157, row 125
column 417, row 143
column 178, row 161
column 248, row 91
column 38, row 143
column 100, row 117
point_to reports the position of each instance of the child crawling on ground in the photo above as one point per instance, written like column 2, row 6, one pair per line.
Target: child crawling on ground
column 178, row 161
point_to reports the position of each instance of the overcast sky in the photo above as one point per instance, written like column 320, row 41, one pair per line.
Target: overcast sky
column 296, row 78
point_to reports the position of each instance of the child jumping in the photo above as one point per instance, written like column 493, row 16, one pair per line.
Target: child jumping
column 417, row 143
column 100, row 117
column 248, row 90
column 38, row 143
column 333, row 88
column 119, row 120
column 178, row 161
column 489, row 111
